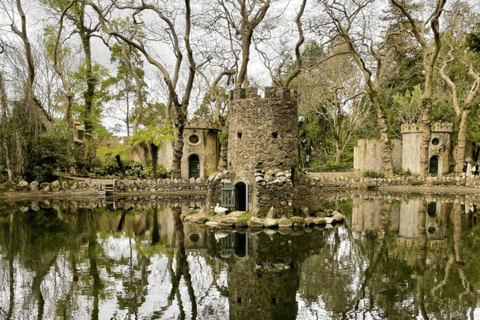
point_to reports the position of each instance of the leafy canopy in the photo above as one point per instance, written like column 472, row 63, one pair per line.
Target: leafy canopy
column 153, row 135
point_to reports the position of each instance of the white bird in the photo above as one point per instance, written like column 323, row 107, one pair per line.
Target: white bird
column 220, row 210
column 220, row 235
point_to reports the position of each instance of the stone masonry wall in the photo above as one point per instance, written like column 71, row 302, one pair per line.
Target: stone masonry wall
column 368, row 153
column 263, row 131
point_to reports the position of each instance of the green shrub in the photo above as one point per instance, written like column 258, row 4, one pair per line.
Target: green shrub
column 96, row 163
column 111, row 168
column 132, row 169
column 372, row 174
column 403, row 173
column 51, row 151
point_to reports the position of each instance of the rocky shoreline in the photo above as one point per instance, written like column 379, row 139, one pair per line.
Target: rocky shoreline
column 239, row 220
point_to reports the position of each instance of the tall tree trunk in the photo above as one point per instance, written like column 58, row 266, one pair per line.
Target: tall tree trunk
column 4, row 105
column 120, row 165
column 138, row 88
column 154, row 151
column 460, row 151
column 180, row 120
column 128, row 114
column 425, row 137
column 90, row 91
column 387, row 162
column 338, row 152
column 30, row 101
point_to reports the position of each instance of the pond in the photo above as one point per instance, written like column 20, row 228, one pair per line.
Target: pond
column 394, row 258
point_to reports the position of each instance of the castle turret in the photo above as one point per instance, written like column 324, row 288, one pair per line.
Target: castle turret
column 438, row 149
column 262, row 131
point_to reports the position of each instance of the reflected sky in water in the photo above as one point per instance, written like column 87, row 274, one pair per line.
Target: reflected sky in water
column 394, row 258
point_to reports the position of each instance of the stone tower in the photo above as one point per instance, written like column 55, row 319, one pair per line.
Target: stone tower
column 262, row 151
column 262, row 154
column 262, row 131
column 438, row 150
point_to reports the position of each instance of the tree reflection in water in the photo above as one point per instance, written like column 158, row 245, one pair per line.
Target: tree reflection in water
column 414, row 258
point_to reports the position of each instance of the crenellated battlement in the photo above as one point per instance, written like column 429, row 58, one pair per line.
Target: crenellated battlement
column 442, row 127
column 417, row 127
column 203, row 124
column 411, row 128
column 270, row 93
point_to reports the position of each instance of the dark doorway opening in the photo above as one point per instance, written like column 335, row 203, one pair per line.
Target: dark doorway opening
column 193, row 166
column 434, row 165
column 240, row 196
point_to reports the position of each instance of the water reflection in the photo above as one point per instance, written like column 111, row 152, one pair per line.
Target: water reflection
column 393, row 259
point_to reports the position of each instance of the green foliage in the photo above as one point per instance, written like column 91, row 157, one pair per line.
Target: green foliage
column 51, row 151
column 111, row 168
column 153, row 135
column 100, row 94
column 207, row 109
column 148, row 171
column 223, row 136
column 242, row 221
column 472, row 40
column 403, row 173
column 119, row 150
column 153, row 114
column 372, row 174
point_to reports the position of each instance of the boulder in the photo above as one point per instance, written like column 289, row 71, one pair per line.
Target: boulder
column 309, row 222
column 55, row 185
column 45, row 186
column 255, row 222
column 34, row 185
column 241, row 223
column 23, row 185
column 227, row 223
column 284, row 223
column 298, row 222
column 201, row 220
column 270, row 223
column 319, row 221
column 329, row 220
column 271, row 214
column 305, row 212
column 338, row 217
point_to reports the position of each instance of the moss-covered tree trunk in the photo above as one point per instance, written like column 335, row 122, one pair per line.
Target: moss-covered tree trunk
column 154, row 152
column 86, row 35
column 426, row 136
column 180, row 120
column 387, row 162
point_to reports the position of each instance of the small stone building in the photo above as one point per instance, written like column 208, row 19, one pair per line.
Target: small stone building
column 262, row 153
column 201, row 150
column 438, row 151
column 406, row 153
